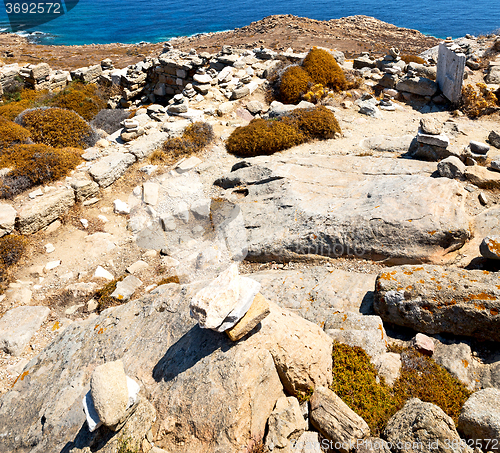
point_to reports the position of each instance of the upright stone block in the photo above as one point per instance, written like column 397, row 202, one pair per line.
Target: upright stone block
column 450, row 72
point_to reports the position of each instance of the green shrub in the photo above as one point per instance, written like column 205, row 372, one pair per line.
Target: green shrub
column 355, row 381
column 324, row 69
column 293, row 84
column 412, row 59
column 12, row 134
column 86, row 100
column 318, row 122
column 263, row 137
column 194, row 138
column 35, row 164
column 58, row 128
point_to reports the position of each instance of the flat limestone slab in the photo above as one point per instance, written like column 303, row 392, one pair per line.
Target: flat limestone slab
column 18, row 326
column 108, row 169
column 376, row 208
column 257, row 312
column 41, row 211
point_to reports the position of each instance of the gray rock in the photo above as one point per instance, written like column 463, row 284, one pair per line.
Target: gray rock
column 18, row 326
column 451, row 167
column 145, row 145
column 255, row 107
column 494, row 139
column 194, row 375
column 363, row 62
column 425, row 424
column 370, row 341
column 385, row 143
column 495, row 165
column 493, row 75
column 388, row 366
column 108, row 169
column 7, row 219
column 286, row 424
column 126, row 288
column 431, row 126
column 178, row 108
column 239, row 93
column 441, row 141
column 479, row 147
column 480, row 419
column 129, row 134
column 109, row 391
column 85, row 189
column 490, row 247
column 40, row 212
column 350, row 218
column 370, row 110
column 308, row 442
column 457, row 359
column 417, row 85
column 422, row 70
column 150, row 193
column 244, row 176
column 335, row 420
column 451, row 300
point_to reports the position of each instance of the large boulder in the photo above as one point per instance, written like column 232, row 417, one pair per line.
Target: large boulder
column 210, row 394
column 417, row 85
column 39, row 212
column 425, row 425
column 480, row 419
column 433, row 299
column 357, row 206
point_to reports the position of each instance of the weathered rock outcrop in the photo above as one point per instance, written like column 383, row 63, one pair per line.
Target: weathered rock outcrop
column 347, row 205
column 210, row 394
column 425, row 425
column 38, row 213
column 432, row 299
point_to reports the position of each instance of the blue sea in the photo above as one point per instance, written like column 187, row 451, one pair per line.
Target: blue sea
column 133, row 21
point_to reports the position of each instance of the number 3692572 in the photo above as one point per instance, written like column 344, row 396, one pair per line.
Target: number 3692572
column 33, row 8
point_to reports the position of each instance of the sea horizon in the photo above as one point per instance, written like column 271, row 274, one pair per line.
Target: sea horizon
column 127, row 21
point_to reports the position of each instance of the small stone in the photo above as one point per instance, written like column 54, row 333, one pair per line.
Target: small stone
column 423, row 343
column 137, row 267
column 483, row 199
column 181, row 211
column 85, row 223
column 201, row 208
column 257, row 312
column 100, row 272
column 126, row 288
column 52, row 265
column 102, row 218
column 435, row 140
column 18, row 326
column 167, row 222
column 388, row 366
column 49, row 248
column 7, row 219
column 120, row 207
column 478, row 147
column 490, row 247
column 255, row 107
column 169, row 261
column 150, row 193
column 92, row 305
column 53, row 227
column 109, row 391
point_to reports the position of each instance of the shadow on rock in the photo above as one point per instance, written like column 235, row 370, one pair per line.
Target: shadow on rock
column 192, row 347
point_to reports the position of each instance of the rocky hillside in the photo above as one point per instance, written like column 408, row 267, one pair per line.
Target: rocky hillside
column 190, row 280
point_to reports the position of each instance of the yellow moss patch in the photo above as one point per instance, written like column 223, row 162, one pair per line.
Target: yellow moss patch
column 11, row 133
column 86, row 100
column 324, row 69
column 293, row 84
